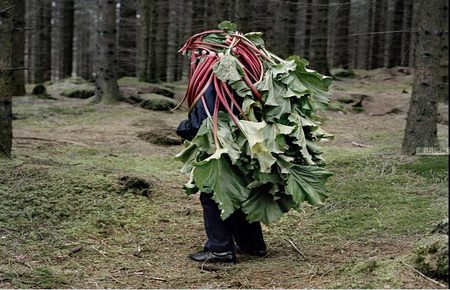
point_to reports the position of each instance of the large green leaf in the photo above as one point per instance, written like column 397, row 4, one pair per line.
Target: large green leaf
column 307, row 183
column 262, row 207
column 226, row 138
column 273, row 114
column 204, row 140
column 255, row 38
column 228, row 68
column 283, row 68
column 187, row 156
column 215, row 174
column 274, row 136
column 241, row 88
column 190, row 187
column 314, row 82
column 256, row 140
column 227, row 26
column 300, row 138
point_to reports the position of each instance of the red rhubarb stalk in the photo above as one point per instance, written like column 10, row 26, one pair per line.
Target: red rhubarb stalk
column 222, row 99
column 252, row 88
column 215, row 121
column 233, row 100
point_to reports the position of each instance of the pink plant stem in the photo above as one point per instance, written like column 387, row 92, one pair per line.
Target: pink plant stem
column 222, row 99
column 233, row 100
column 215, row 121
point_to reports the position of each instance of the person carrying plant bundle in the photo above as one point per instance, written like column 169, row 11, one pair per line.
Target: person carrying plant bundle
column 251, row 138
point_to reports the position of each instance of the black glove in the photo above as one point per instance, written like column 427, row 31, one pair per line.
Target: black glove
column 186, row 131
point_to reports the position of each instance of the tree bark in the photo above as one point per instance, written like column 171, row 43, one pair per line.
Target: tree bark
column 107, row 89
column 319, row 41
column 67, row 38
column 406, row 34
column 308, row 24
column 144, row 50
column 18, row 52
column 245, row 12
column 342, row 41
column 421, row 128
column 161, row 33
column 377, row 40
column 42, row 41
column 395, row 44
column 127, row 37
column 171, row 63
column 6, row 82
column 443, row 70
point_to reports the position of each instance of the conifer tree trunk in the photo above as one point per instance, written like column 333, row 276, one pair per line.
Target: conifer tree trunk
column 406, row 34
column 187, row 31
column 308, row 23
column 395, row 44
column 171, row 62
column 6, row 82
column 421, row 128
column 342, row 41
column 377, row 40
column 67, row 38
column 126, row 39
column 144, row 49
column 319, row 39
column 18, row 52
column 443, row 69
column 244, row 9
column 42, row 41
column 161, row 32
column 107, row 89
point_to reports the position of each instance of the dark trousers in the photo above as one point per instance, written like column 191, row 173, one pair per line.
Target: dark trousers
column 235, row 229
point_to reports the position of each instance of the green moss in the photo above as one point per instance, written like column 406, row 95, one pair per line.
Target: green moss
column 431, row 256
column 433, row 167
column 145, row 87
column 336, row 106
column 79, row 92
column 368, row 274
column 157, row 102
column 343, row 73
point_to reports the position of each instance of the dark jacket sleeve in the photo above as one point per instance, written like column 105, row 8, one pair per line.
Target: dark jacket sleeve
column 189, row 128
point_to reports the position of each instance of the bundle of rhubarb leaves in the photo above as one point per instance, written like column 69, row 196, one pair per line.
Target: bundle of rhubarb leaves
column 264, row 159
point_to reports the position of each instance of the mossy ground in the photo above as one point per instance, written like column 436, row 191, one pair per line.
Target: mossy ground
column 66, row 222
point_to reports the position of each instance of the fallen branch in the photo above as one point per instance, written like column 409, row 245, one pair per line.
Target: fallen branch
column 4, row 11
column 296, row 248
column 156, row 278
column 19, row 68
column 424, row 276
column 359, row 144
column 51, row 140
column 22, row 29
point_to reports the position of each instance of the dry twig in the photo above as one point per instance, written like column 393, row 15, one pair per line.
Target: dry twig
column 296, row 248
column 424, row 276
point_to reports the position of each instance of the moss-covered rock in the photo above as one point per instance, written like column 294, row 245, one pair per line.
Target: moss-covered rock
column 441, row 227
column 136, row 185
column 39, row 89
column 132, row 86
column 40, row 92
column 157, row 102
column 431, row 256
column 343, row 73
column 79, row 92
column 166, row 137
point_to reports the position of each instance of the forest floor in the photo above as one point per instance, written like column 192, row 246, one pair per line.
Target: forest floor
column 66, row 221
